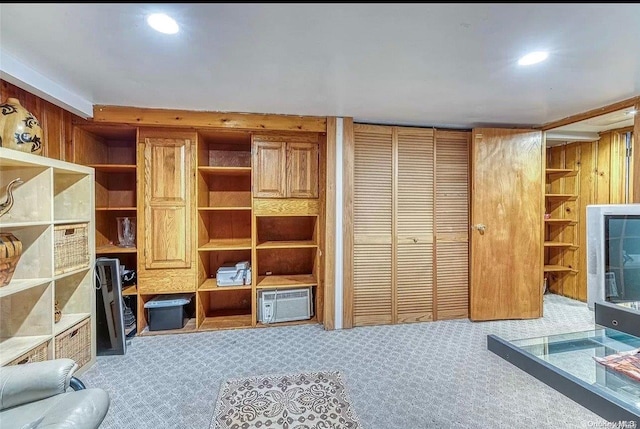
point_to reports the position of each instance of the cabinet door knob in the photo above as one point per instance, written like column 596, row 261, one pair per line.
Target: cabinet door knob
column 480, row 227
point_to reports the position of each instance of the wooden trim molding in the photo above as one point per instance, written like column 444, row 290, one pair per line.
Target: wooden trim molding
column 347, row 222
column 591, row 113
column 330, row 227
column 201, row 119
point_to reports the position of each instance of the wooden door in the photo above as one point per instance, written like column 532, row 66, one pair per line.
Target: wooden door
column 302, row 170
column 372, row 225
column 167, row 202
column 414, row 225
column 507, row 209
column 269, row 166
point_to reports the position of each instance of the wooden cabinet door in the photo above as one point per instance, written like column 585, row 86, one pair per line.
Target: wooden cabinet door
column 269, row 169
column 373, row 265
column 507, row 209
column 167, row 202
column 414, row 225
column 302, row 170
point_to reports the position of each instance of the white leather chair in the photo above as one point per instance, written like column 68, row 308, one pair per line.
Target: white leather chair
column 38, row 395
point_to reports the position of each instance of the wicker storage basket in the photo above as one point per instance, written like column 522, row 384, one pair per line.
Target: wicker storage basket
column 75, row 343
column 71, row 247
column 38, row 354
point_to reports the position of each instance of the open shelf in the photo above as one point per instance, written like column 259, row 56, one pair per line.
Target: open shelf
column 562, row 197
column 561, row 172
column 286, row 281
column 71, row 273
column 190, row 326
column 557, row 269
column 223, row 208
column 557, row 244
column 226, row 322
column 18, row 285
column 12, row 348
column 559, row 221
column 300, row 244
column 130, row 290
column 118, row 209
column 69, row 320
column 114, row 168
column 225, row 171
column 227, row 244
column 110, row 249
column 211, row 285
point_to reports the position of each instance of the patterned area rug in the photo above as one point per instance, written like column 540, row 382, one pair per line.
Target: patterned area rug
column 314, row 400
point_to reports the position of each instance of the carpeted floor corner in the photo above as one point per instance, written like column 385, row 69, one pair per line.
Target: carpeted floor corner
column 425, row 375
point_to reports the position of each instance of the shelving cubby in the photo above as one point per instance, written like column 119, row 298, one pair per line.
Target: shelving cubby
column 224, row 227
column 275, row 232
column 111, row 151
column 560, row 222
column 54, row 193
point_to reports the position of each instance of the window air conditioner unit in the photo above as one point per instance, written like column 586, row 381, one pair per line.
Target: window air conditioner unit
column 284, row 305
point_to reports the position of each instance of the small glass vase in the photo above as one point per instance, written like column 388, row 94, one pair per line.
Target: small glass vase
column 126, row 231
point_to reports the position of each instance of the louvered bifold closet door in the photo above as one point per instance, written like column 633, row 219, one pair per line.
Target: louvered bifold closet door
column 414, row 225
column 372, row 225
column 452, row 224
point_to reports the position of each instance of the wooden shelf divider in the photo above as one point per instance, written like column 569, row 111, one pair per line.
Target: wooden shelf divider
column 211, row 285
column 299, row 244
column 113, row 249
column 227, row 244
column 286, row 281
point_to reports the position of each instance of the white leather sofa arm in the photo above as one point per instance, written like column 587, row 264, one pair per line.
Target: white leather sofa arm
column 21, row 384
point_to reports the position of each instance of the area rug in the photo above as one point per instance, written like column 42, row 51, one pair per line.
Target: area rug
column 312, row 400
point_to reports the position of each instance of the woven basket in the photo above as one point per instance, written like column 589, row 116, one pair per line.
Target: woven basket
column 71, row 247
column 38, row 354
column 75, row 343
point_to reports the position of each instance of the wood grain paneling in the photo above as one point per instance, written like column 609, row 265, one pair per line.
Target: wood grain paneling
column 452, row 224
column 168, row 186
column 508, row 285
column 372, row 222
column 190, row 118
column 599, row 179
column 269, row 169
column 285, row 207
column 302, row 170
column 57, row 123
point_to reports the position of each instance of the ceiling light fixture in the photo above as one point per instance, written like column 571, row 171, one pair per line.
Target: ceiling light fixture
column 631, row 112
column 163, row 23
column 533, row 58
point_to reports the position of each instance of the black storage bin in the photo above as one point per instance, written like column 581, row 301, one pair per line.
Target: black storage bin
column 168, row 311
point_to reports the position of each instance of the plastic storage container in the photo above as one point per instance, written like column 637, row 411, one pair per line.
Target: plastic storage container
column 168, row 311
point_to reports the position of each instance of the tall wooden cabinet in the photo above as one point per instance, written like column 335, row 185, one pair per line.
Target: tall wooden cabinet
column 52, row 215
column 204, row 198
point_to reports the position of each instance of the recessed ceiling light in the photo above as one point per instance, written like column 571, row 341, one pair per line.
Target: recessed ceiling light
column 631, row 112
column 533, row 58
column 163, row 23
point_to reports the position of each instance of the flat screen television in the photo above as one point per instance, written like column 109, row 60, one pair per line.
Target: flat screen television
column 613, row 254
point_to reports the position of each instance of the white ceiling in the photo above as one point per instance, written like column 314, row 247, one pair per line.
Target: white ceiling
column 416, row 64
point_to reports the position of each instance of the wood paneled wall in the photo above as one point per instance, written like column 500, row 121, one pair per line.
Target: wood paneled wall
column 57, row 123
column 600, row 179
